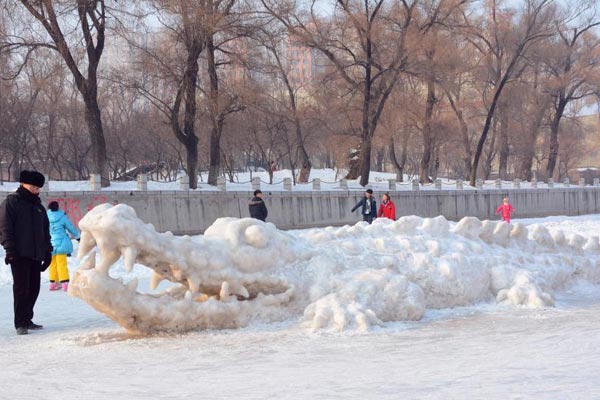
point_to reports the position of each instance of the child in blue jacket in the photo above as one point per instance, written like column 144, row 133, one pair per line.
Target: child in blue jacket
column 62, row 246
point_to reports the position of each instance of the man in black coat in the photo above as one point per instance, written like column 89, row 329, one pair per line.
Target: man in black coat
column 257, row 206
column 25, row 236
column 369, row 206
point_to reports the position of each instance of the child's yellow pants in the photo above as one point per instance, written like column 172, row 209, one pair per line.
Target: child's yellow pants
column 58, row 268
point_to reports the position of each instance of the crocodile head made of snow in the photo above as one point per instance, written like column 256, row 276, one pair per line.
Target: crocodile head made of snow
column 335, row 278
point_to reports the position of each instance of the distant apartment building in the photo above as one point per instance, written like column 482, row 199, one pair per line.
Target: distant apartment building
column 302, row 63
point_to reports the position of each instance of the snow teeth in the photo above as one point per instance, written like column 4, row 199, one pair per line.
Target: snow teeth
column 240, row 290
column 193, row 286
column 86, row 244
column 155, row 280
column 133, row 284
column 129, row 256
column 89, row 262
column 109, row 257
column 244, row 292
column 225, row 294
column 177, row 274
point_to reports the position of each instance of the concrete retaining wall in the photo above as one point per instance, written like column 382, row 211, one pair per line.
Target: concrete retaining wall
column 189, row 212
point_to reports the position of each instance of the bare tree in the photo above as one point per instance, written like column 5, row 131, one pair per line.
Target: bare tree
column 573, row 67
column 90, row 17
column 223, row 26
column 167, row 68
column 365, row 42
column 279, row 47
column 505, row 46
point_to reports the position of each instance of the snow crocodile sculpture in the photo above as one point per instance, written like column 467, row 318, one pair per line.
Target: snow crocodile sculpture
column 350, row 277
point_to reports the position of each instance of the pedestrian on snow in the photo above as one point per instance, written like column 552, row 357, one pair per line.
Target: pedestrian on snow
column 257, row 206
column 25, row 236
column 369, row 206
column 387, row 209
column 506, row 209
column 62, row 246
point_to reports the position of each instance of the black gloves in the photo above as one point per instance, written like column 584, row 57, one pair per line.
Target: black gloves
column 46, row 262
column 10, row 258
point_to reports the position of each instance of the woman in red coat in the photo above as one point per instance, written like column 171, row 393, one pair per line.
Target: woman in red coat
column 387, row 208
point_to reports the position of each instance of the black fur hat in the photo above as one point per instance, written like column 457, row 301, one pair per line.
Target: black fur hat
column 32, row 178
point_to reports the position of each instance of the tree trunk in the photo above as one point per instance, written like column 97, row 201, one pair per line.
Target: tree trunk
column 94, row 123
column 354, row 163
column 530, row 144
column 491, row 154
column 365, row 162
column 554, row 131
column 379, row 160
column 191, row 150
column 464, row 131
column 466, row 144
column 215, row 114
column 365, row 150
column 398, row 164
column 504, row 148
column 306, row 165
column 214, row 164
column 428, row 144
column 483, row 137
column 403, row 157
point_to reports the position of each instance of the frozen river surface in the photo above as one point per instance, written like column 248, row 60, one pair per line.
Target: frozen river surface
column 485, row 351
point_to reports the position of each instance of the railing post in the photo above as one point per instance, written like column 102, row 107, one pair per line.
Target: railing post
column 533, row 183
column 316, row 184
column 222, row 183
column 498, row 183
column 287, row 183
column 392, row 185
column 184, row 182
column 596, row 182
column 460, row 184
column 415, row 184
column 343, row 184
column 479, row 184
column 566, row 182
column 95, row 182
column 550, row 183
column 517, row 184
column 142, row 182
column 256, row 183
column 438, row 184
column 581, row 182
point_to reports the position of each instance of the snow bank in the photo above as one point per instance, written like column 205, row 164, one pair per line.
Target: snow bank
column 351, row 277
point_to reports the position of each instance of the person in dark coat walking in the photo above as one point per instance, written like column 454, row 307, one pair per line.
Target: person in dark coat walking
column 25, row 236
column 369, row 206
column 257, row 206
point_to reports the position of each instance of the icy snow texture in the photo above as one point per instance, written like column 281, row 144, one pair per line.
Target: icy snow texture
column 352, row 277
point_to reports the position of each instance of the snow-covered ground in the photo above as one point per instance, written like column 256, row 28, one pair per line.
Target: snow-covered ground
column 483, row 350
column 330, row 180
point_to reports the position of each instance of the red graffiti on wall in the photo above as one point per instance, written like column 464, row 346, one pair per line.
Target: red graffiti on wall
column 72, row 206
column 96, row 200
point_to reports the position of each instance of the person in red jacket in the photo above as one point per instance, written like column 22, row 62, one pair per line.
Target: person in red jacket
column 387, row 208
column 505, row 208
